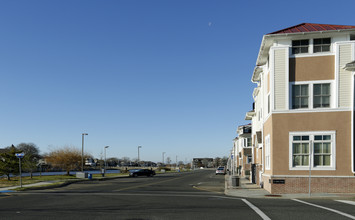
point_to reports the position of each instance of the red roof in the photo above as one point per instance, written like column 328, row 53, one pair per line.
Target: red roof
column 310, row 27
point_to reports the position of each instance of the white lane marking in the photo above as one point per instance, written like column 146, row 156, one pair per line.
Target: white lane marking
column 346, row 201
column 329, row 209
column 257, row 210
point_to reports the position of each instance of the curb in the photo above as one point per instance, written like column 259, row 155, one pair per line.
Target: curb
column 57, row 184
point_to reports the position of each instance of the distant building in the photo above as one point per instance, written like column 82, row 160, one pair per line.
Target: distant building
column 202, row 162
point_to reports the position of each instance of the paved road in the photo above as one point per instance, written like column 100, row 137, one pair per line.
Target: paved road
column 197, row 195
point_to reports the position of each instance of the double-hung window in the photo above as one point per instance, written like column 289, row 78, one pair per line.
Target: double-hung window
column 311, row 95
column 321, row 45
column 321, row 95
column 300, row 46
column 300, row 150
column 300, row 96
column 315, row 149
column 322, row 150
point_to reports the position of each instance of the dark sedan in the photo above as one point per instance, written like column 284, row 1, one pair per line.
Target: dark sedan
column 141, row 172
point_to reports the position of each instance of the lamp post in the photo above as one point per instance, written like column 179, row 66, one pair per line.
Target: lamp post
column 105, row 157
column 163, row 157
column 138, row 152
column 20, row 156
column 82, row 151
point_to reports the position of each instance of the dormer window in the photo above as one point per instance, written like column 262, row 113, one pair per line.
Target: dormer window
column 321, row 45
column 300, row 46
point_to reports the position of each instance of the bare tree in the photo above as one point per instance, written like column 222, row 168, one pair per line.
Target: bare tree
column 112, row 161
column 224, row 161
column 67, row 158
column 217, row 162
column 125, row 159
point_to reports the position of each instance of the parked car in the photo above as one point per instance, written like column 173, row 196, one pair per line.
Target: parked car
column 221, row 170
column 141, row 172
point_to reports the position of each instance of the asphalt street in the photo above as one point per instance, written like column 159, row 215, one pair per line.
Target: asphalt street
column 195, row 195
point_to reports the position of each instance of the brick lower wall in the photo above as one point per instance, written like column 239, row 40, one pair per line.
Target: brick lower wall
column 318, row 185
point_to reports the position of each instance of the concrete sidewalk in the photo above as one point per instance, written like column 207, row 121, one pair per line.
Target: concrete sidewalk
column 249, row 190
column 245, row 189
column 12, row 188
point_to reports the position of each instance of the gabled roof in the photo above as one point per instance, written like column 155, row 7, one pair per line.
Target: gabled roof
column 311, row 27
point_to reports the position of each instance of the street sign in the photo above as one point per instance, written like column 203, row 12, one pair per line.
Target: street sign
column 20, row 155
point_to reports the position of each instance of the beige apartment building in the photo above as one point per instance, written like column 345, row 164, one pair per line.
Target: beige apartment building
column 242, row 152
column 303, row 120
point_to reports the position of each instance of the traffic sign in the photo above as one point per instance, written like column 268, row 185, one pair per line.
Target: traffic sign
column 20, row 155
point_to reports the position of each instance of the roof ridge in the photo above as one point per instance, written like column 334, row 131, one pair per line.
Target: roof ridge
column 312, row 27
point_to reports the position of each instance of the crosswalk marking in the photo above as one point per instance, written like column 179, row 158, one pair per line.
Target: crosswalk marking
column 346, row 201
column 257, row 210
column 329, row 209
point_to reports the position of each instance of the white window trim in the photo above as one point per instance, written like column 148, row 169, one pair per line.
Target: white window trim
column 311, row 135
column 310, row 48
column 267, row 152
column 310, row 94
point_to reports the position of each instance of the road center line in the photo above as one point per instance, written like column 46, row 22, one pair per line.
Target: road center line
column 257, row 210
column 329, row 209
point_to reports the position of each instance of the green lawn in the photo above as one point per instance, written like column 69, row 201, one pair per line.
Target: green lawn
column 15, row 181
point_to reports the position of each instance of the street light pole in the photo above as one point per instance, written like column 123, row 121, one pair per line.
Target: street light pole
column 138, row 152
column 82, row 151
column 20, row 172
column 163, row 157
column 105, row 157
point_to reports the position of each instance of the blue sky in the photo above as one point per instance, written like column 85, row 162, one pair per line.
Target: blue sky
column 171, row 76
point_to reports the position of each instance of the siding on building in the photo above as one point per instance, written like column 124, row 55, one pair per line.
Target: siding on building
column 344, row 76
column 280, row 78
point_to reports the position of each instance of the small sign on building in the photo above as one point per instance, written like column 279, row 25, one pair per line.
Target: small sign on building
column 278, row 181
